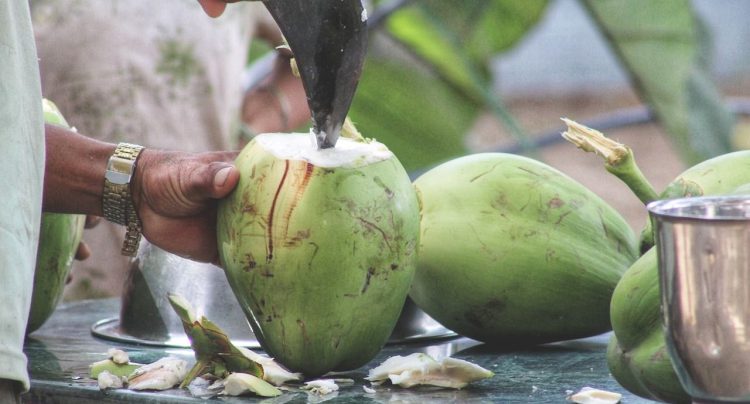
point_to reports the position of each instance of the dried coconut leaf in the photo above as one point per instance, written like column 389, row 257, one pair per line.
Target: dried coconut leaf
column 214, row 352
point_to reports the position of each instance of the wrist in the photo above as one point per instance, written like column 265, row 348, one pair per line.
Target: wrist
column 117, row 200
column 75, row 165
column 136, row 183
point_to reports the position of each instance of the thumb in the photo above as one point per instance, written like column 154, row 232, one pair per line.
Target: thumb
column 225, row 179
column 211, row 181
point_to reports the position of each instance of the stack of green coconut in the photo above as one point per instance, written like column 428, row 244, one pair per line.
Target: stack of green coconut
column 322, row 247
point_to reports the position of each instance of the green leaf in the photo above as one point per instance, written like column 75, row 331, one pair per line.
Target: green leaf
column 459, row 38
column 665, row 48
column 413, row 28
column 421, row 119
column 456, row 41
column 487, row 27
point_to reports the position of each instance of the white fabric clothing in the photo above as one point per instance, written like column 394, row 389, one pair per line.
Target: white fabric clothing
column 21, row 179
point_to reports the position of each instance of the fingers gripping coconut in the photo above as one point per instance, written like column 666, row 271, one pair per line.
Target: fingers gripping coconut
column 319, row 246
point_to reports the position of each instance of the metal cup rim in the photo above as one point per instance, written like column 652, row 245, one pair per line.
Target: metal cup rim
column 713, row 208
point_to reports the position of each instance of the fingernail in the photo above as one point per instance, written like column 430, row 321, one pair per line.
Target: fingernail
column 221, row 176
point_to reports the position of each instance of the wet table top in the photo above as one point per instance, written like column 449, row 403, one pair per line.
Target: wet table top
column 60, row 353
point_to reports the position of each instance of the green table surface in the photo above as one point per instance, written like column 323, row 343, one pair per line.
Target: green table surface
column 60, row 352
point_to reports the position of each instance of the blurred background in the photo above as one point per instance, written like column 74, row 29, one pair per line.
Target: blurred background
column 670, row 79
column 666, row 78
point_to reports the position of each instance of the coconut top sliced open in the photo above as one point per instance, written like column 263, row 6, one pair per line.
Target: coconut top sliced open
column 348, row 153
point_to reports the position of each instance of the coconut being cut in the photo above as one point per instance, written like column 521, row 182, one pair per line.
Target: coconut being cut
column 319, row 246
column 318, row 239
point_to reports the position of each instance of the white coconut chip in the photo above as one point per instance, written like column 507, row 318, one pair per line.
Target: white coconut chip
column 589, row 395
column 321, row 386
column 237, row 384
column 160, row 375
column 200, row 387
column 348, row 153
column 419, row 362
column 217, row 386
column 118, row 356
column 107, row 380
column 344, row 381
column 422, row 369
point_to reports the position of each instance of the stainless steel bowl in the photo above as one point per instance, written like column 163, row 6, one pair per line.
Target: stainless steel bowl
column 147, row 318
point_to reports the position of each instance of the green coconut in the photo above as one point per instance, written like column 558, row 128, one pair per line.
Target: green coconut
column 637, row 355
column 319, row 246
column 58, row 242
column 514, row 251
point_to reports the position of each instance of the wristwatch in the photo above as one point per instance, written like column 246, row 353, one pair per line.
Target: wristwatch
column 117, row 201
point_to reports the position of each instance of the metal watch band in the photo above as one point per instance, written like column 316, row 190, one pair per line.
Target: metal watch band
column 117, row 202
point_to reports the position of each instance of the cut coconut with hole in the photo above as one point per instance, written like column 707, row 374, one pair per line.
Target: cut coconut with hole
column 311, row 239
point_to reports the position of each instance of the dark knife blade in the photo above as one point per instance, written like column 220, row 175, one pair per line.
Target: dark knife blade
column 329, row 41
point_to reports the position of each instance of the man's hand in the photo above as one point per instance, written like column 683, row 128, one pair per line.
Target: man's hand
column 215, row 8
column 176, row 194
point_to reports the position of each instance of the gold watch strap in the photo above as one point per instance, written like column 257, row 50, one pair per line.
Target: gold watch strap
column 117, row 202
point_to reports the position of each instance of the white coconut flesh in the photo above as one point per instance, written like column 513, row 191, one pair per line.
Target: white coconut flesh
column 348, row 153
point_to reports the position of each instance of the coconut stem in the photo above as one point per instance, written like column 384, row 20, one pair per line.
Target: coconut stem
column 351, row 132
column 618, row 158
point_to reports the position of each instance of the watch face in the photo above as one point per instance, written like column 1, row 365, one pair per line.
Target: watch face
column 117, row 178
column 119, row 170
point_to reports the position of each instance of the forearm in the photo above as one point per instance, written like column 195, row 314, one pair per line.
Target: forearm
column 173, row 193
column 74, row 172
